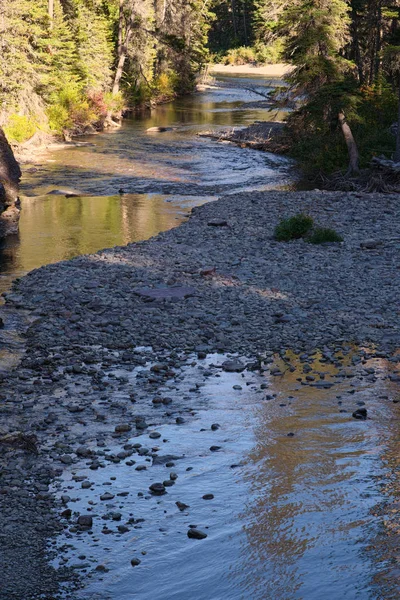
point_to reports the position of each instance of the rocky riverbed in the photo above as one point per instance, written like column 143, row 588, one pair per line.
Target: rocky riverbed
column 109, row 358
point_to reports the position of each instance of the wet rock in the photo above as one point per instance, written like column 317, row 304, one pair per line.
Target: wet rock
column 233, row 366
column 182, row 506
column 135, row 562
column 123, row 428
column 360, row 413
column 208, row 497
column 85, row 521
column 179, row 420
column 196, row 534
column 157, row 489
column 215, row 427
column 107, row 496
column 154, row 435
column 215, row 448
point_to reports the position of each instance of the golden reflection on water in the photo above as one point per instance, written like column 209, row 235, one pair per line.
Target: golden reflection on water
column 307, row 525
column 57, row 228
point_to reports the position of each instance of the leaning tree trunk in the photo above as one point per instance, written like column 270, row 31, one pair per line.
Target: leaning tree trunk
column 351, row 145
column 10, row 174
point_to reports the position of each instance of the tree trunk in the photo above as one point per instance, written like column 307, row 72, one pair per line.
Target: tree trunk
column 396, row 156
column 51, row 13
column 351, row 145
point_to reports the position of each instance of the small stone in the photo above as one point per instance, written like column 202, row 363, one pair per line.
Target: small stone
column 182, row 506
column 107, row 496
column 215, row 426
column 123, row 428
column 196, row 534
column 66, row 459
column 154, row 435
column 215, row 448
column 179, row 420
column 360, row 414
column 135, row 562
column 157, row 488
column 85, row 521
column 208, row 497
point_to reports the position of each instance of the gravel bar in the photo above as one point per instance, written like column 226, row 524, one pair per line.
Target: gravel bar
column 217, row 283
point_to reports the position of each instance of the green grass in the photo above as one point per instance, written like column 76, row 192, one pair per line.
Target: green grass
column 293, row 228
column 322, row 235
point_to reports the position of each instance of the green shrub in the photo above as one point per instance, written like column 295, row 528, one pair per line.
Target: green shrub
column 20, row 128
column 239, row 56
column 293, row 228
column 270, row 54
column 321, row 235
column 72, row 109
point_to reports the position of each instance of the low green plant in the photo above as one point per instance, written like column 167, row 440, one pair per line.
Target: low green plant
column 322, row 235
column 293, row 228
column 268, row 54
column 239, row 56
column 20, row 128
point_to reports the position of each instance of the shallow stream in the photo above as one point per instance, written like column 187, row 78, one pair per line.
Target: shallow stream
column 131, row 184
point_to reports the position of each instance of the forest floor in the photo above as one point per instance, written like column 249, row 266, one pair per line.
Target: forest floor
column 219, row 283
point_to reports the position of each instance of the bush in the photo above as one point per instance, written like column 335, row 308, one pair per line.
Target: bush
column 321, row 235
column 239, row 56
column 20, row 128
column 270, row 54
column 293, row 228
column 72, row 109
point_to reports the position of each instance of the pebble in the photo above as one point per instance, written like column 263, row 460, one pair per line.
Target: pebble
column 196, row 534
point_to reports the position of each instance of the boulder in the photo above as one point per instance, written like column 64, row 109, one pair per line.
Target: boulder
column 10, row 175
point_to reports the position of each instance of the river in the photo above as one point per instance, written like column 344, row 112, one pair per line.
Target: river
column 162, row 176
column 292, row 499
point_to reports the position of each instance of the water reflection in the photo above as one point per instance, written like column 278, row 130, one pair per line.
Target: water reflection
column 55, row 228
column 176, row 161
column 307, row 525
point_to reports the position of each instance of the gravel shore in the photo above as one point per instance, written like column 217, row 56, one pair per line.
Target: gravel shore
column 217, row 283
column 249, row 293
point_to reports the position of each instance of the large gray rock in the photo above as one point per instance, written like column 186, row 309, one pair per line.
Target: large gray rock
column 10, row 175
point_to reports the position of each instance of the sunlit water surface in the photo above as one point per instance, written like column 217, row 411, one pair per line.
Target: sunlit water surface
column 132, row 184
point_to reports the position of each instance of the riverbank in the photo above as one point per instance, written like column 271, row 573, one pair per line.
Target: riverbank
column 278, row 70
column 114, row 331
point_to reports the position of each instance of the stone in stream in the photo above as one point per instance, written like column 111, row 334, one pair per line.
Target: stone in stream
column 123, row 428
column 158, row 489
column 233, row 366
column 154, row 435
column 208, row 497
column 107, row 496
column 196, row 534
column 182, row 506
column 85, row 521
column 215, row 426
column 167, row 458
column 135, row 562
column 215, row 448
column 360, row 414
column 179, row 420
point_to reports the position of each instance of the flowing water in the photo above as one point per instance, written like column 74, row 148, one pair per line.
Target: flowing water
column 296, row 483
column 131, row 184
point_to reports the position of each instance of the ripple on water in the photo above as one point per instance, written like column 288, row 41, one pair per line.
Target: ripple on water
column 293, row 520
